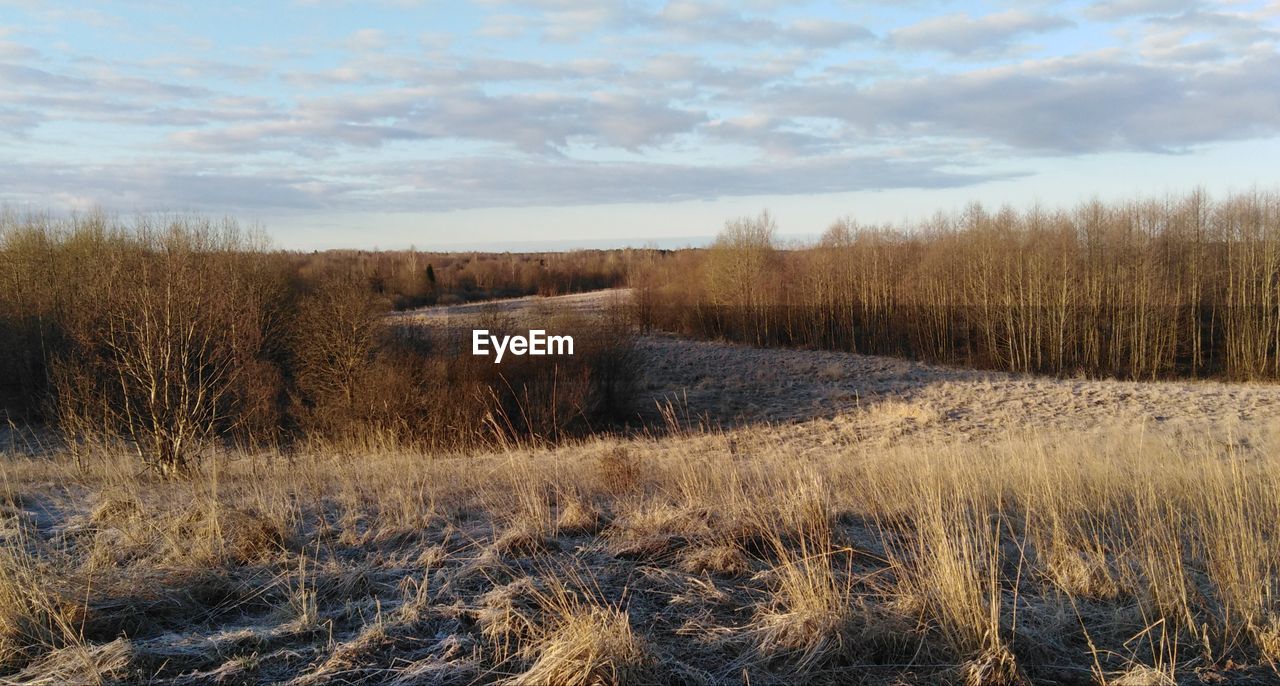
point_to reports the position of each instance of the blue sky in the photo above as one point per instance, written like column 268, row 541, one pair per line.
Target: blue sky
column 440, row 124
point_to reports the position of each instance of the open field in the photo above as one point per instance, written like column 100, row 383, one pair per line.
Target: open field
column 856, row 519
column 408, row 343
column 593, row 302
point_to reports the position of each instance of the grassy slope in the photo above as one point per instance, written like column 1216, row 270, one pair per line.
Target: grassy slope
column 948, row 527
column 1069, row 557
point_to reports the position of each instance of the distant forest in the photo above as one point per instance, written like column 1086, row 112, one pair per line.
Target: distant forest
column 409, row 279
column 1185, row 286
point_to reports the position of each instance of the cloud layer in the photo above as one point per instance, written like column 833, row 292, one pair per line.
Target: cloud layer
column 571, row 102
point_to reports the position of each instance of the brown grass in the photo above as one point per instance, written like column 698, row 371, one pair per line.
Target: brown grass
column 1116, row 557
column 39, row 612
column 583, row 640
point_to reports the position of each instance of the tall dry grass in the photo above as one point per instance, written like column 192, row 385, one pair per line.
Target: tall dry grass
column 1079, row 558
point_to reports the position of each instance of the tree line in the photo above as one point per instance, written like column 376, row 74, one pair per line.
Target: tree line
column 1180, row 287
column 407, row 279
column 173, row 336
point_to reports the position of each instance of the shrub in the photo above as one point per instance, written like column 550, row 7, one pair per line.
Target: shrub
column 150, row 334
column 171, row 336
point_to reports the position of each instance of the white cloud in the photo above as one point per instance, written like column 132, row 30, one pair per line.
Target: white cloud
column 1085, row 104
column 1118, row 9
column 962, row 34
column 534, row 123
column 368, row 40
column 633, row 103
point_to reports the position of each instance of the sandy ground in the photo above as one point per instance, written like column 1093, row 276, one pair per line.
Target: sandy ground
column 822, row 392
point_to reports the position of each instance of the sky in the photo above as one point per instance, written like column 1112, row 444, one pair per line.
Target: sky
column 504, row 123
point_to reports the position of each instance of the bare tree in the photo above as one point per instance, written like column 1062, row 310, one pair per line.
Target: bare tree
column 1139, row 290
column 168, row 343
column 739, row 267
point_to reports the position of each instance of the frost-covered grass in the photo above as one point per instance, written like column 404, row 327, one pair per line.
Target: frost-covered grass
column 1079, row 557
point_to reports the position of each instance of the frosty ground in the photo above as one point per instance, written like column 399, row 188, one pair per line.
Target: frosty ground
column 791, row 515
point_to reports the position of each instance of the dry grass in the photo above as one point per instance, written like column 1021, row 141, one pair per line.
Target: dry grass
column 38, row 613
column 1112, row 557
column 811, row 615
column 725, row 559
column 577, row 515
column 583, row 640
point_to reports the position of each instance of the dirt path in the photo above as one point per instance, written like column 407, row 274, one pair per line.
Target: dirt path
column 589, row 302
